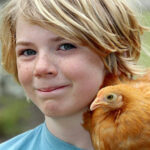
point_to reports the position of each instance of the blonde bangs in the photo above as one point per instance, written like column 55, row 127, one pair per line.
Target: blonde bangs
column 68, row 20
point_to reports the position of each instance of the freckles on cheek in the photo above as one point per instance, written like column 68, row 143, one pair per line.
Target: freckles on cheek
column 75, row 72
column 24, row 74
column 74, row 67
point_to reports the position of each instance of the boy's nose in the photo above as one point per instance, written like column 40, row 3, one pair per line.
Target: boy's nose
column 44, row 66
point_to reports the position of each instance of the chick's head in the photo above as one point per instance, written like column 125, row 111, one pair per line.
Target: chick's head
column 114, row 97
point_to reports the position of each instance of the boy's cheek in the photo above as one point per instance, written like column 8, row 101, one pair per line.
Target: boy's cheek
column 24, row 73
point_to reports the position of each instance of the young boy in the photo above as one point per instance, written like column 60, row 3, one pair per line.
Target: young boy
column 60, row 51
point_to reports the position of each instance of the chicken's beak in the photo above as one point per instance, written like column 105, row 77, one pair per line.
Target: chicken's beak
column 96, row 103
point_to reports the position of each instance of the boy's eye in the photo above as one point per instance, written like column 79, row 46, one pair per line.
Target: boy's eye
column 28, row 52
column 66, row 46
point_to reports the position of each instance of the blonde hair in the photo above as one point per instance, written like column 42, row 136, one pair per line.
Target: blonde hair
column 108, row 27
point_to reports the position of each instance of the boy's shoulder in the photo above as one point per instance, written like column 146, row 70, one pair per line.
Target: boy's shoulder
column 22, row 141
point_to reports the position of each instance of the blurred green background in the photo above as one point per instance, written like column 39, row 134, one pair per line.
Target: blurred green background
column 17, row 115
column 145, row 58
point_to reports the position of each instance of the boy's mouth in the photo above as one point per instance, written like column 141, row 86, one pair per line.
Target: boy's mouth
column 50, row 89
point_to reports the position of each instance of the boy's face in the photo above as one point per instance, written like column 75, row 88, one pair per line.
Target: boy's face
column 60, row 77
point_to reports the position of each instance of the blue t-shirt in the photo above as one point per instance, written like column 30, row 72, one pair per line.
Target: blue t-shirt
column 38, row 138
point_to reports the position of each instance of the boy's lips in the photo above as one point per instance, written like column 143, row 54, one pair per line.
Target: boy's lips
column 52, row 92
column 50, row 89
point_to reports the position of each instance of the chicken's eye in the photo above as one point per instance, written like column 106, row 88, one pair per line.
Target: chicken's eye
column 111, row 97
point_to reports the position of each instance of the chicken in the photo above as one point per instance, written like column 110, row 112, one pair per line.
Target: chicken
column 120, row 116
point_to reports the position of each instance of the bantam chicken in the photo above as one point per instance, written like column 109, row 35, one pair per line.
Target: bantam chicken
column 120, row 116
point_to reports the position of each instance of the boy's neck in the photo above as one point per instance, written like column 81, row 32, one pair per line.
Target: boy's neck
column 70, row 129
